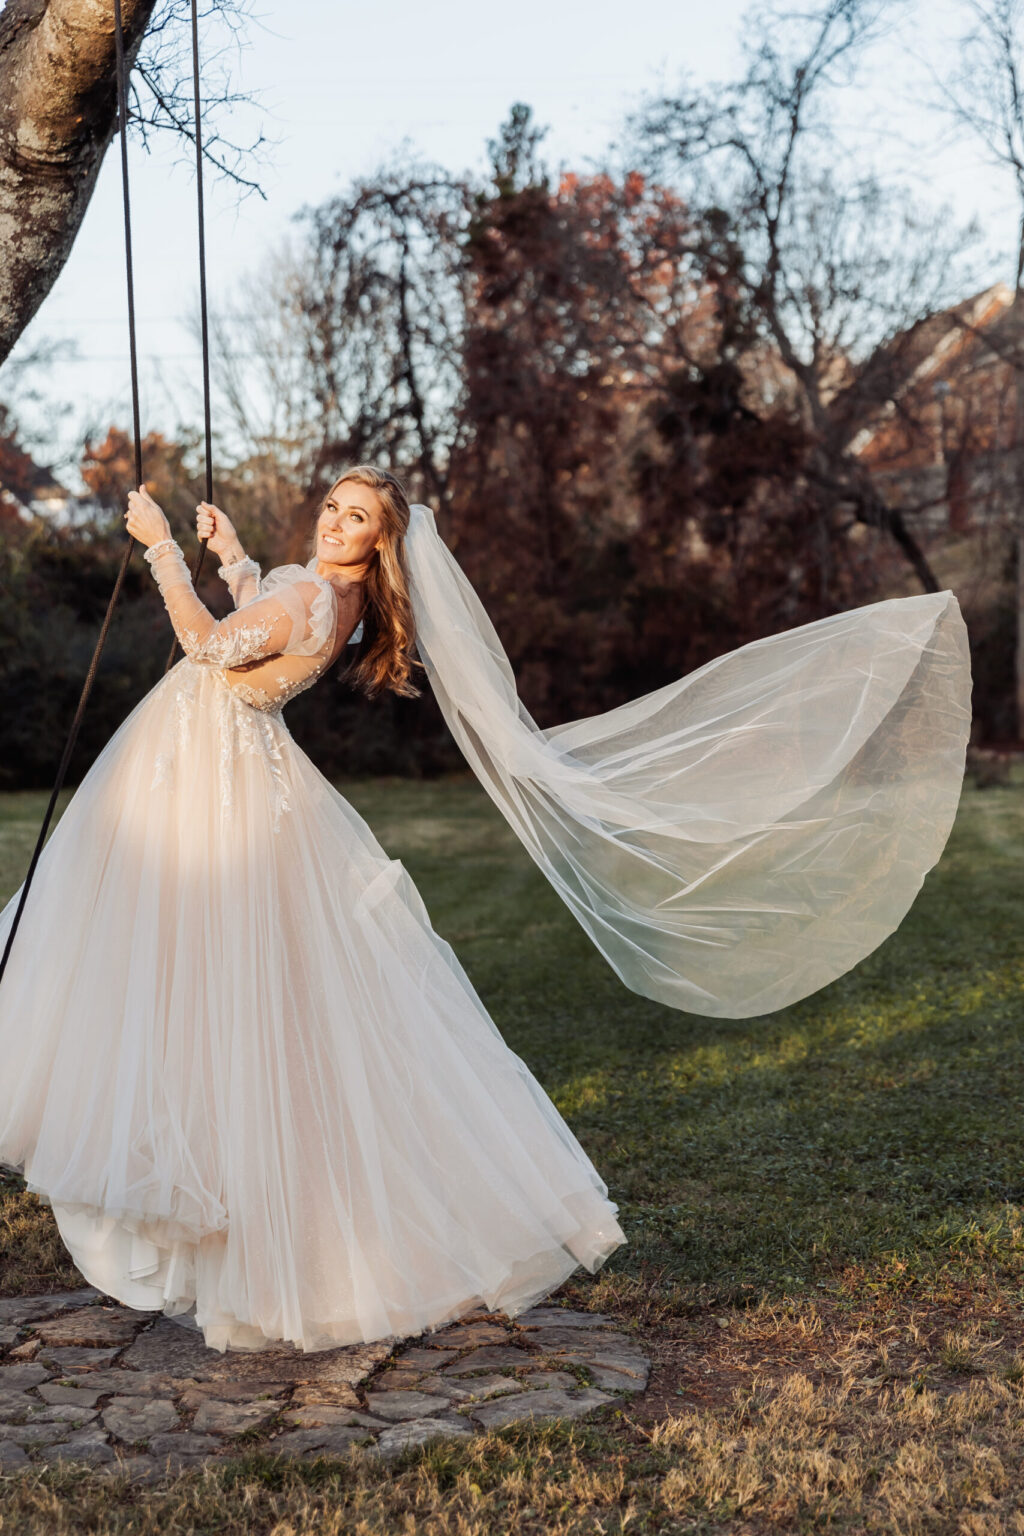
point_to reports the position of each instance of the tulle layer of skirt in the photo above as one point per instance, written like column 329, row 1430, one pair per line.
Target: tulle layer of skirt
column 253, row 1083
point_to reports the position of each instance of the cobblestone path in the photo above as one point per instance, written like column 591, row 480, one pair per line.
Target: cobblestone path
column 84, row 1379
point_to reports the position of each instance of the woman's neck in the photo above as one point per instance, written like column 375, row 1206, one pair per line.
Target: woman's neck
column 343, row 575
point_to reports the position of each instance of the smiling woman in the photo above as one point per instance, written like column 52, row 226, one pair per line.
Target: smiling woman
column 259, row 1092
column 256, row 1087
column 348, row 530
column 359, row 536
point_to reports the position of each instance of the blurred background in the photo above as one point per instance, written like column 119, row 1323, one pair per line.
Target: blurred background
column 691, row 327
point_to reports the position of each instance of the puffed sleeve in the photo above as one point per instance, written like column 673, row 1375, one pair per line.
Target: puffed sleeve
column 267, row 626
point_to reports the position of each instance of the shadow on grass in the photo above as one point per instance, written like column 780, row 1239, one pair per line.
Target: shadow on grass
column 877, row 1125
column 875, row 1128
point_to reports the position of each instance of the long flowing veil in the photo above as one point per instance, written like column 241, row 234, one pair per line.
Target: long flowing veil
column 736, row 840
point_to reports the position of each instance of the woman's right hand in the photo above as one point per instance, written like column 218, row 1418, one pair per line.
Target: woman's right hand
column 216, row 528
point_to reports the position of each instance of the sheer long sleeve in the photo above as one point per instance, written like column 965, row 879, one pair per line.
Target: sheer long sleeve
column 243, row 580
column 265, row 627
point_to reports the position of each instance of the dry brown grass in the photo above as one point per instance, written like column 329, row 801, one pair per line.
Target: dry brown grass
column 33, row 1259
column 851, row 1455
column 894, row 1423
column 857, row 1161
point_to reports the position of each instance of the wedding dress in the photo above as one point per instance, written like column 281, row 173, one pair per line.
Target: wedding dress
column 255, row 1086
column 260, row 1092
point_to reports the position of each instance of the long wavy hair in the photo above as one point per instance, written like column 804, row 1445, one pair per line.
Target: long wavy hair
column 384, row 659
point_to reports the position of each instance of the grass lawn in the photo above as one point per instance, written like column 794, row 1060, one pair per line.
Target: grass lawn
column 824, row 1213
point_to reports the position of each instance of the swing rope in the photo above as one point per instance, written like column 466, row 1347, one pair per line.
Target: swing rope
column 202, row 309
column 90, row 676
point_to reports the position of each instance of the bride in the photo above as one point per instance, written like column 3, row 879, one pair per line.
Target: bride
column 258, row 1091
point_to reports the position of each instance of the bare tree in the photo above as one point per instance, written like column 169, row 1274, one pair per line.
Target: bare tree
column 835, row 269
column 383, row 297
column 348, row 346
column 983, row 94
column 160, row 88
column 58, row 115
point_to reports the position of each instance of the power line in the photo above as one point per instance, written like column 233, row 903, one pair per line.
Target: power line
column 167, row 357
column 145, row 319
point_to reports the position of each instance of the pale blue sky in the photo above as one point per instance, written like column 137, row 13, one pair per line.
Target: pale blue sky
column 342, row 86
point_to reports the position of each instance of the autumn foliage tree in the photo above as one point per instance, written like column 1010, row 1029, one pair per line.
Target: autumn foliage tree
column 108, row 470
column 17, row 468
column 634, row 489
column 629, row 401
column 588, row 379
column 573, row 295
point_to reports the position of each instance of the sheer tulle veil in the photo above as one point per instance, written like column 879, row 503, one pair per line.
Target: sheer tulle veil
column 738, row 839
column 270, row 1098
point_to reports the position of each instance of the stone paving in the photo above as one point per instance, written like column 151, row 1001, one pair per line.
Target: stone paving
column 84, row 1379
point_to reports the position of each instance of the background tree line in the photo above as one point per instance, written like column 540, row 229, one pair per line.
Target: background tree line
column 634, row 399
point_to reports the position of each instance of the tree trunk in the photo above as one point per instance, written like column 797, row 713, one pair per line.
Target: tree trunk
column 58, row 113
column 1018, row 521
column 1017, row 315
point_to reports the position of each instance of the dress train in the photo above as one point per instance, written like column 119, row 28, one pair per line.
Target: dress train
column 254, row 1084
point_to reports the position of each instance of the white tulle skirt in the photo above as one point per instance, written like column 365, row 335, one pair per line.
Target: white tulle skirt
column 255, row 1086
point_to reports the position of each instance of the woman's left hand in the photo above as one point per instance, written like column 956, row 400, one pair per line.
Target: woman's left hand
column 145, row 520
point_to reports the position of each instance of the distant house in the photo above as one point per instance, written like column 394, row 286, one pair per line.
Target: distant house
column 942, row 448
column 46, row 496
column 29, row 490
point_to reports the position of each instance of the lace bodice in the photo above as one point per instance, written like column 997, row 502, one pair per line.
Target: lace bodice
column 277, row 642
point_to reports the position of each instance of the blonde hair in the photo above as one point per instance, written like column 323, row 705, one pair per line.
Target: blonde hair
column 384, row 660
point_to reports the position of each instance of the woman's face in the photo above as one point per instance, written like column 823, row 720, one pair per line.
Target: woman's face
column 350, row 524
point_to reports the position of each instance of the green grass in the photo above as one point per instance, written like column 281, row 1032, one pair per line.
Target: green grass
column 857, row 1157
column 872, row 1133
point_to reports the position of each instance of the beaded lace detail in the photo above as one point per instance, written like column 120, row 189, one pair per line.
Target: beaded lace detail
column 257, row 698
column 248, row 643
column 241, row 731
column 285, row 689
column 275, row 645
column 163, row 547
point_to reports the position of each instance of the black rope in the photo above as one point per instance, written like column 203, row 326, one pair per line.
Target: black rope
column 202, row 303
column 122, row 112
column 90, row 676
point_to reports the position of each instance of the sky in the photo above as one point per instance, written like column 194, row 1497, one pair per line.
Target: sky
column 339, row 88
